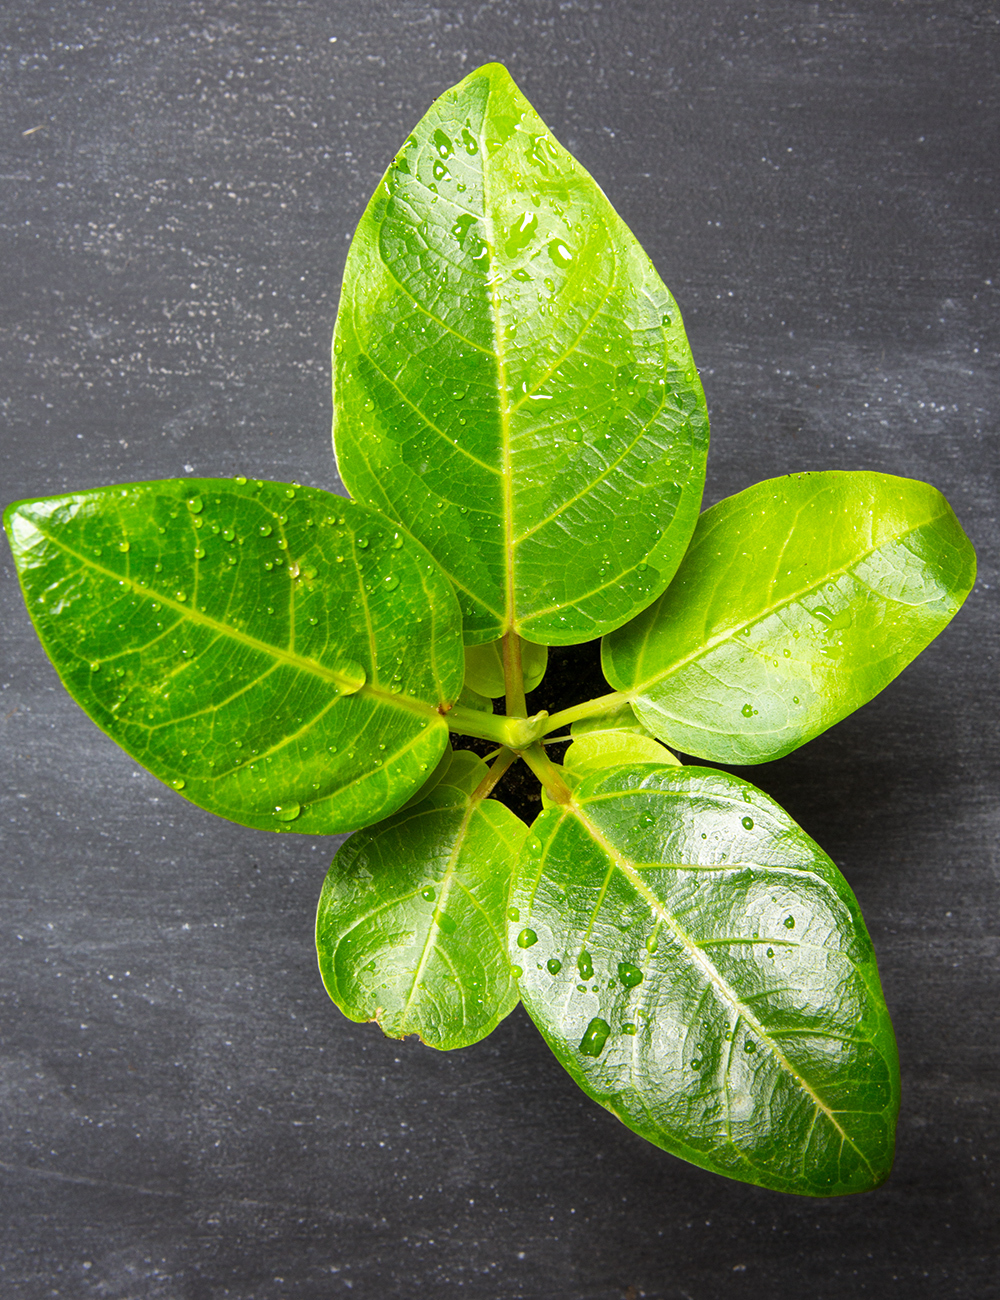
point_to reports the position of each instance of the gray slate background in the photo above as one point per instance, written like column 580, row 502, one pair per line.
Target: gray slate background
column 185, row 1116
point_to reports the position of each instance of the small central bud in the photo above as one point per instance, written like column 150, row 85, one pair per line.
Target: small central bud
column 522, row 732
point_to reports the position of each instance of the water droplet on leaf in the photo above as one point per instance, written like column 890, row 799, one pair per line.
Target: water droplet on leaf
column 629, row 975
column 596, row 1035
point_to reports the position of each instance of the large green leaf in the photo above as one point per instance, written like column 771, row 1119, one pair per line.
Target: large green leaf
column 512, row 380
column 798, row 600
column 252, row 644
column 410, row 930
column 701, row 968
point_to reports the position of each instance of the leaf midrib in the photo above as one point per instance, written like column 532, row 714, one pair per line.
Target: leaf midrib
column 506, row 472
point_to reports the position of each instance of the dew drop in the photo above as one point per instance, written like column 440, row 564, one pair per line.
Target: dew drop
column 362, row 543
column 652, row 943
column 559, row 253
column 228, row 534
column 443, row 143
column 287, row 812
column 628, row 1028
column 95, row 666
column 526, row 939
column 196, row 505
column 629, row 975
column 585, row 965
column 748, row 823
column 596, row 1035
column 747, row 710
column 427, row 894
column 390, row 582
column 513, row 914
column 178, row 783
column 240, row 479
column 182, row 595
column 748, row 1046
column 553, row 965
column 789, row 922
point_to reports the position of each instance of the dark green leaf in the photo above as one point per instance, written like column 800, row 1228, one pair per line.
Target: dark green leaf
column 701, row 968
column 484, row 667
column 410, row 928
column 798, row 600
column 512, row 380
column 252, row 644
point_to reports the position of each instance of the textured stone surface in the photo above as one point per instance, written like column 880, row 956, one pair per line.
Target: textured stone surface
column 185, row 1115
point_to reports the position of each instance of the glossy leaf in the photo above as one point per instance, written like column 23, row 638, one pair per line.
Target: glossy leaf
column 512, row 381
column 797, row 602
column 252, row 644
column 701, row 968
column 484, row 667
column 410, row 930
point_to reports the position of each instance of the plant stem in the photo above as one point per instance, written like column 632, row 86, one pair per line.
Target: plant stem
column 548, row 773
column 588, row 709
column 470, row 722
column 504, row 758
column 513, row 675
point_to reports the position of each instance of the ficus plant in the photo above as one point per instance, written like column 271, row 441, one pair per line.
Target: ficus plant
column 522, row 430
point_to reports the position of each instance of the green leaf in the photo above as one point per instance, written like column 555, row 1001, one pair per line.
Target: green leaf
column 797, row 602
column 410, row 928
column 252, row 644
column 598, row 750
column 484, row 667
column 512, row 381
column 701, row 968
column 622, row 719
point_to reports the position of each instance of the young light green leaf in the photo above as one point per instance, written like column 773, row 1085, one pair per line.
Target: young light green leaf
column 598, row 750
column 484, row 667
column 473, row 700
column 621, row 719
column 512, row 381
column 410, row 928
column 701, row 968
column 252, row 644
column 797, row 602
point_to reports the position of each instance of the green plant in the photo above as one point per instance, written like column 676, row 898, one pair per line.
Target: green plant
column 522, row 428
